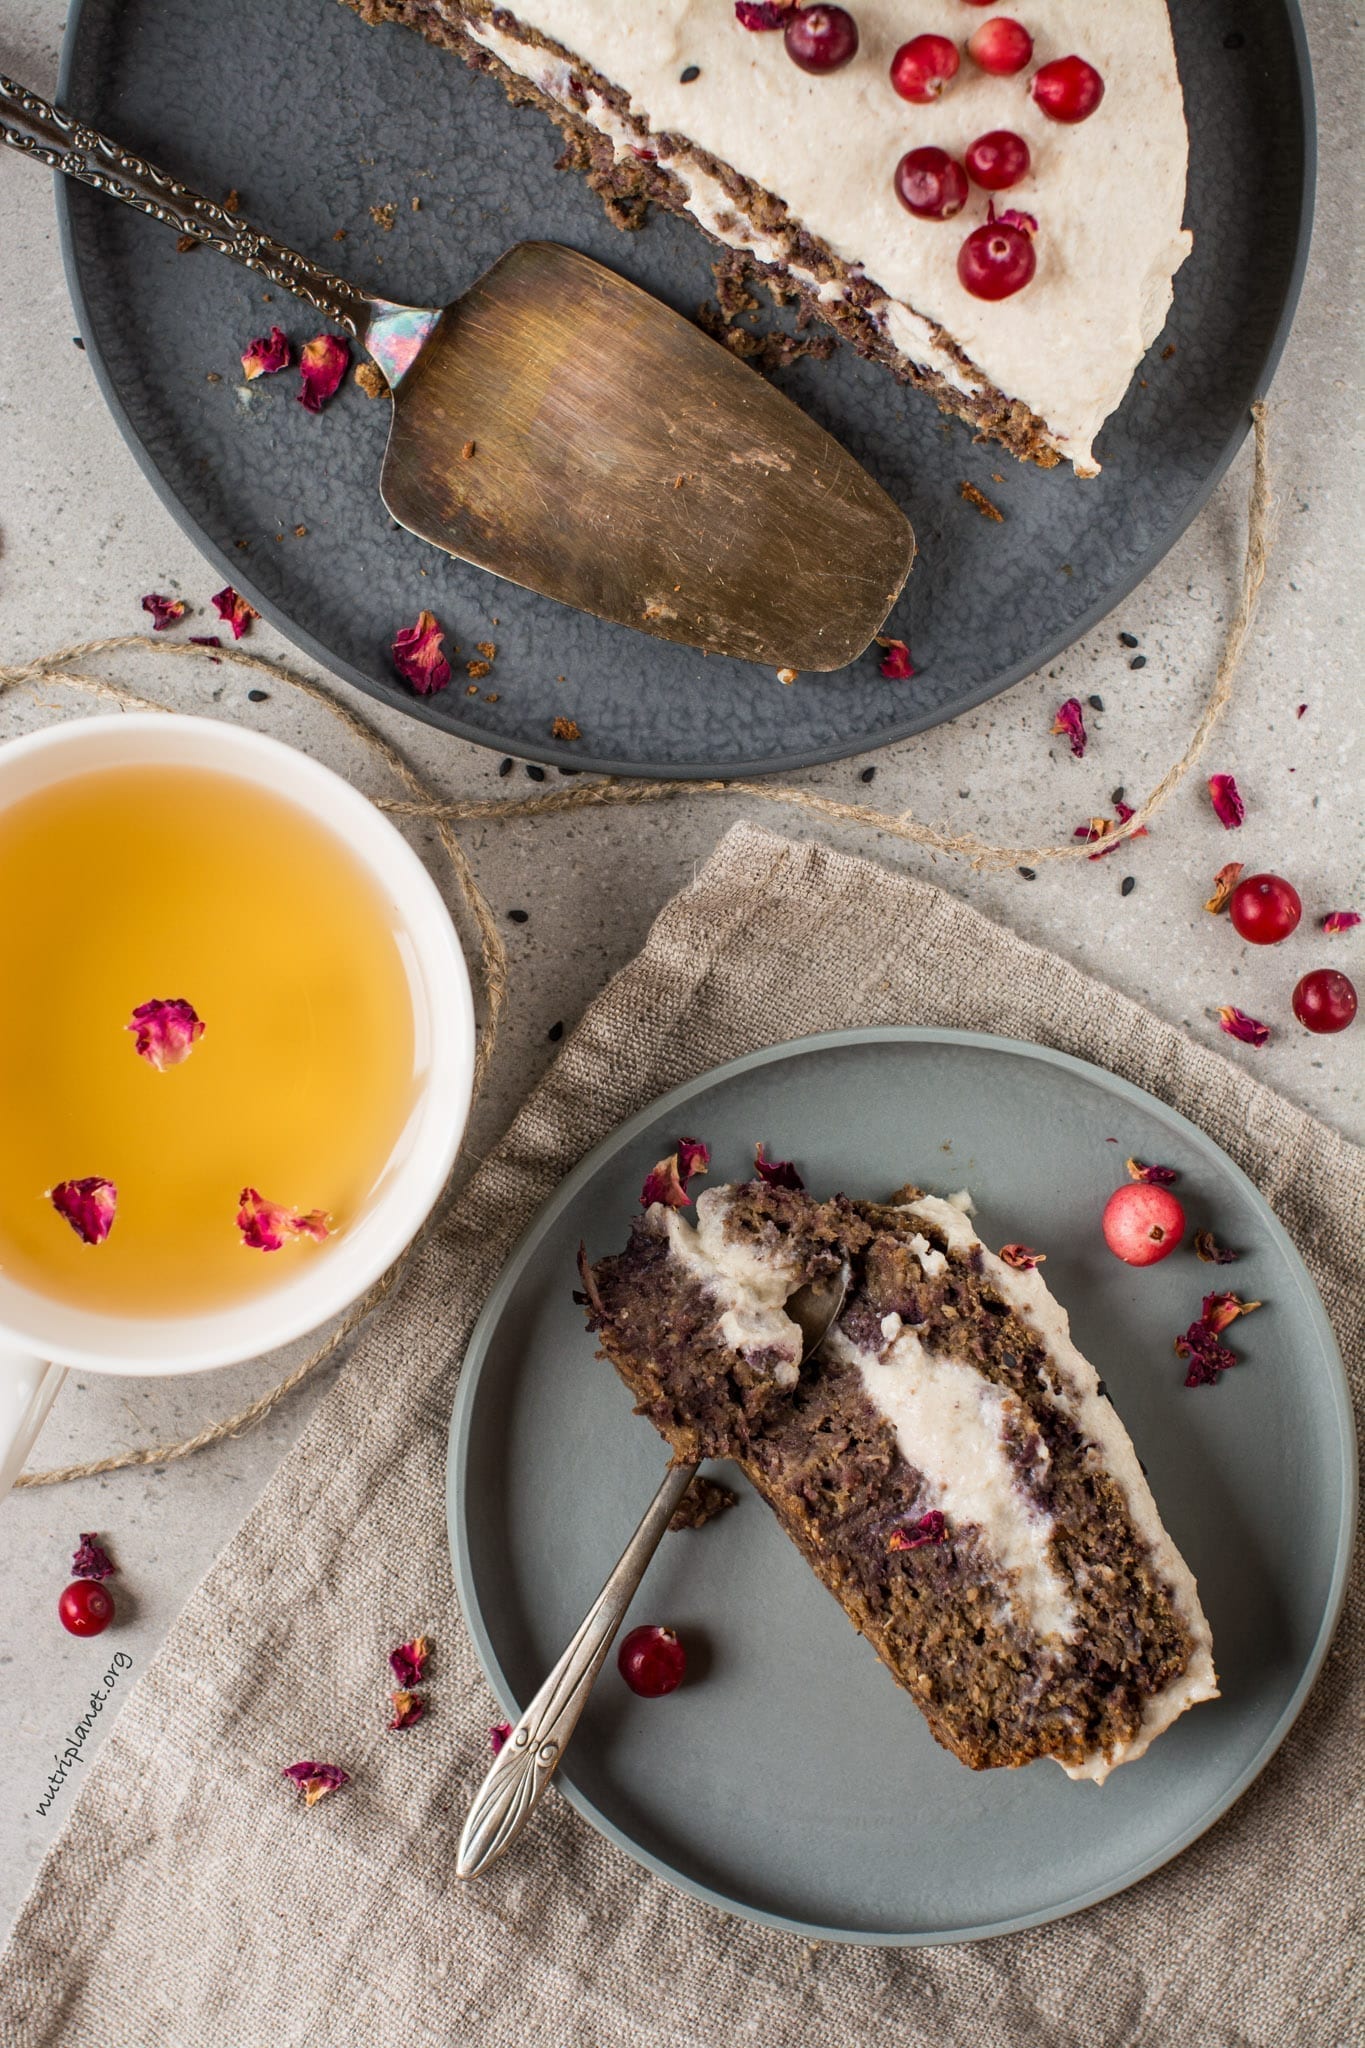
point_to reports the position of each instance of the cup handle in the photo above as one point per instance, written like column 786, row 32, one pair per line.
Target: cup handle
column 28, row 1387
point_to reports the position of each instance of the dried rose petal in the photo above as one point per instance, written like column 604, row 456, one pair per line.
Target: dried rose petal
column 92, row 1560
column 408, row 1661
column 1227, row 801
column 1299, row 713
column 1154, row 1176
column 265, row 1226
column 1021, row 1257
column 1209, row 1252
column 930, row 1528
column 88, row 1206
column 233, row 610
column 778, row 1173
column 323, row 363
column 407, row 1708
column 316, row 1780
column 1237, row 1024
column 417, row 655
column 1221, row 1310
column 1069, row 724
column 1340, row 920
column 1104, row 828
column 164, row 610
column 166, row 1030
column 265, row 355
column 498, row 1735
column 205, row 640
column 1224, row 882
column 667, row 1181
column 762, row 13
column 896, row 664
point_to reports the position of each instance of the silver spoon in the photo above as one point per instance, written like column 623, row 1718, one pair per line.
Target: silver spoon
column 532, row 1752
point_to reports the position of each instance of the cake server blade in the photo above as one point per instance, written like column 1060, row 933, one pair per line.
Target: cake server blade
column 562, row 428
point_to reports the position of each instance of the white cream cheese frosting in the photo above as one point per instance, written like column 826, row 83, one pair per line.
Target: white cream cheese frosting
column 1108, row 192
column 748, row 1285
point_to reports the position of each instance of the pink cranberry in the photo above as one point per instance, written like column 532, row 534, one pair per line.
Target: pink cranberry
column 996, row 260
column 922, row 67
column 86, row 1608
column 931, row 183
column 1142, row 1223
column 1324, row 1001
column 1000, row 46
column 1265, row 909
column 1068, row 89
column 998, row 160
column 821, row 38
column 652, row 1661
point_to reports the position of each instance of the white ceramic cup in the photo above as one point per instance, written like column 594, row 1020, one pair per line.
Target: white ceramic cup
column 39, row 1337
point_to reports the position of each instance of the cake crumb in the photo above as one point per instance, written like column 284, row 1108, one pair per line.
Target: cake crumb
column 212, row 377
column 487, row 648
column 300, row 533
column 338, row 234
column 1168, row 352
column 184, row 243
column 233, row 203
column 416, row 203
column 384, row 216
column 467, row 451
column 787, row 675
column 982, row 503
column 565, row 729
column 371, row 380
column 702, row 1502
column 478, row 669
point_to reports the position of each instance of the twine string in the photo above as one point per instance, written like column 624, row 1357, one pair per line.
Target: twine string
column 421, row 803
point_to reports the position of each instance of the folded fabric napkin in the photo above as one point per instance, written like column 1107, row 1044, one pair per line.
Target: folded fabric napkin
column 190, row 1903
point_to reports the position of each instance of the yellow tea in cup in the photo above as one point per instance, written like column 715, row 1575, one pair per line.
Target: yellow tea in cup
column 287, row 1066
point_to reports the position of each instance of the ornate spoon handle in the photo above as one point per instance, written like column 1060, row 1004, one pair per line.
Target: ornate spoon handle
column 527, row 1761
column 42, row 131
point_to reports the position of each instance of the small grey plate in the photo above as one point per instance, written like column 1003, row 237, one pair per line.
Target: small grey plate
column 789, row 1779
column 317, row 118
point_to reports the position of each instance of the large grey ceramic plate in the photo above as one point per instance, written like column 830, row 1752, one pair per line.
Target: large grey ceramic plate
column 791, row 1780
column 316, row 117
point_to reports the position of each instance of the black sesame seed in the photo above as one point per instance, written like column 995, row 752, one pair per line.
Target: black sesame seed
column 78, row 343
column 569, row 771
column 1127, row 885
column 692, row 71
column 1235, row 41
column 505, row 767
column 1029, row 874
column 258, row 696
column 867, row 775
column 1116, row 796
column 1138, row 661
column 535, row 771
column 1128, row 639
column 555, row 1032
column 1095, row 703
column 518, row 916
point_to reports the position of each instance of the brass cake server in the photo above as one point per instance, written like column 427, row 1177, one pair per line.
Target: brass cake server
column 622, row 461
column 535, row 1748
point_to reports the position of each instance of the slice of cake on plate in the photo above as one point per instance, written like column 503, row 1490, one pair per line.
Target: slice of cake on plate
column 995, row 216
column 947, row 1462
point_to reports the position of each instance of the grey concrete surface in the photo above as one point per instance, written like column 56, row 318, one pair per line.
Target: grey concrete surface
column 81, row 536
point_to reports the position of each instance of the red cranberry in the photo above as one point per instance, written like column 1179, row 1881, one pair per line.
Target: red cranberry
column 931, row 183
column 1068, row 89
column 998, row 160
column 1325, row 1001
column 922, row 67
column 652, row 1661
column 86, row 1608
column 1000, row 46
column 996, row 260
column 1265, row 909
column 1142, row 1223
column 821, row 38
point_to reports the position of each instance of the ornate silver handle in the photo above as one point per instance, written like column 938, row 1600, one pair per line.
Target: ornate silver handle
column 42, row 131
column 528, row 1759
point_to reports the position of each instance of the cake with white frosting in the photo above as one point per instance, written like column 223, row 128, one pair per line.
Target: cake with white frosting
column 701, row 107
column 948, row 1462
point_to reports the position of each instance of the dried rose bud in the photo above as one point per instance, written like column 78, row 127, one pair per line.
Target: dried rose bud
column 1237, row 1024
column 1209, row 1252
column 165, row 611
column 323, row 363
column 267, row 354
column 778, row 1173
column 1335, row 920
column 1154, row 1176
column 408, row 1661
column 1222, row 1310
column 233, row 610
column 1224, row 882
column 417, row 655
column 1021, row 1257
column 316, row 1780
column 498, row 1736
column 92, row 1560
column 407, row 1708
column 1069, row 724
column 896, row 664
column 88, row 1206
column 165, row 1031
column 265, row 1226
column 1227, row 801
column 930, row 1528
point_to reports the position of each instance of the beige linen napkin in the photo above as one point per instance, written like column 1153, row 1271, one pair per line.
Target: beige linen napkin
column 192, row 1901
